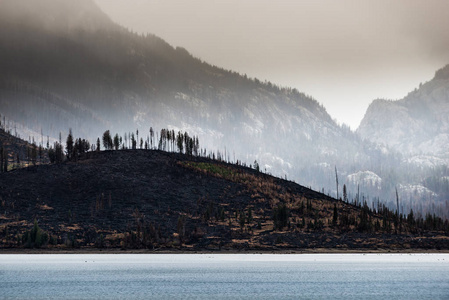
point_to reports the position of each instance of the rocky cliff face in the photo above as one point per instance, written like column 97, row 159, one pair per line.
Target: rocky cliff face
column 416, row 124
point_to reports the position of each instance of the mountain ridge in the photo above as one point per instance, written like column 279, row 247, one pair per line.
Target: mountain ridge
column 129, row 81
column 96, row 78
column 54, row 16
column 416, row 124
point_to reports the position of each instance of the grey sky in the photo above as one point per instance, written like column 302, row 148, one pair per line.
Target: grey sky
column 343, row 53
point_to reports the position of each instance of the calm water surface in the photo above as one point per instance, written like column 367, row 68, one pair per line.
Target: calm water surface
column 225, row 276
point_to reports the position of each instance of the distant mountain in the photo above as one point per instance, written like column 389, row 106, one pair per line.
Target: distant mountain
column 54, row 15
column 417, row 124
column 69, row 66
column 64, row 64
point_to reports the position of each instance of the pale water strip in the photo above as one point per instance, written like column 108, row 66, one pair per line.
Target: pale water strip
column 224, row 276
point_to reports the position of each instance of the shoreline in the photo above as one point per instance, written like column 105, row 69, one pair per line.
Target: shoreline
column 180, row 251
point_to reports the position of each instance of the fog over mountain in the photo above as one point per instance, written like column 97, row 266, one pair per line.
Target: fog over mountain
column 67, row 65
column 345, row 53
column 416, row 124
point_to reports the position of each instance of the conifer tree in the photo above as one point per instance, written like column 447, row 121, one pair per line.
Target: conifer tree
column 51, row 155
column 336, row 179
column 151, row 137
column 179, row 141
column 280, row 216
column 1, row 160
column 107, row 140
column 133, row 141
column 69, row 145
column 41, row 152
column 397, row 202
column 116, row 141
column 256, row 166
column 335, row 216
column 59, row 155
column 33, row 154
column 345, row 193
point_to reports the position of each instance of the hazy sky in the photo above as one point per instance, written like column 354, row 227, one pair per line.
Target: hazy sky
column 343, row 53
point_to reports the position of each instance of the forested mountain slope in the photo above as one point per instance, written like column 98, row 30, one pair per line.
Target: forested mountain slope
column 64, row 74
column 67, row 65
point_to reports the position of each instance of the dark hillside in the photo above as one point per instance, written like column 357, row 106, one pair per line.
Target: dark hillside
column 153, row 199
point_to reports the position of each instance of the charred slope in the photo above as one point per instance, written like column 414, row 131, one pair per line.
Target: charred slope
column 153, row 199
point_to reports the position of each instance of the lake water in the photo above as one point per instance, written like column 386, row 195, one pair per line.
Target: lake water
column 225, row 276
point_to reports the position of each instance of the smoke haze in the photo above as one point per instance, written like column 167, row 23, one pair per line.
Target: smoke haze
column 343, row 53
